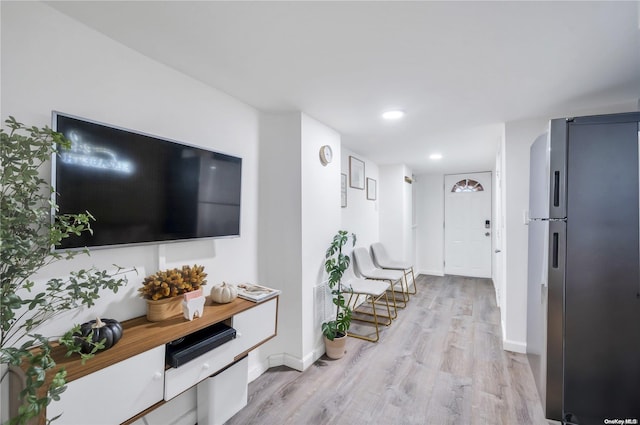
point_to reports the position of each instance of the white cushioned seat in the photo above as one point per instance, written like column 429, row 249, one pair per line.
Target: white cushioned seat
column 374, row 292
column 368, row 270
column 383, row 260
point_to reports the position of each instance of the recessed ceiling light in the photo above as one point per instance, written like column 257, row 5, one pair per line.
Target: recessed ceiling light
column 393, row 115
column 435, row 156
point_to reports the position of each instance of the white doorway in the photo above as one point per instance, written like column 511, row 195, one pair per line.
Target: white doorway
column 467, row 224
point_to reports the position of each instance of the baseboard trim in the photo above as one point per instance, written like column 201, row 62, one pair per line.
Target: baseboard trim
column 257, row 370
column 297, row 363
column 275, row 360
column 515, row 346
column 431, row 272
column 509, row 345
column 503, row 326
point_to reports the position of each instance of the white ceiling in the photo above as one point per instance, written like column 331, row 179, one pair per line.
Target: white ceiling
column 458, row 69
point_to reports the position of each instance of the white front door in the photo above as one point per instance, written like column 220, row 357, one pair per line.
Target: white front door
column 468, row 226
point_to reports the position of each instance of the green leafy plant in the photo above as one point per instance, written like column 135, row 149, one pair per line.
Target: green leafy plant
column 336, row 263
column 26, row 238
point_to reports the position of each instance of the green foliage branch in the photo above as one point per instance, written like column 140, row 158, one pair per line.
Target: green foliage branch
column 336, row 263
column 27, row 235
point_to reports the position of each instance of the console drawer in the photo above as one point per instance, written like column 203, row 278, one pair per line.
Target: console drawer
column 177, row 380
column 114, row 386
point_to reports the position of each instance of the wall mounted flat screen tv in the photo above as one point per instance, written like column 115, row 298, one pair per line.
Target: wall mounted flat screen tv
column 141, row 188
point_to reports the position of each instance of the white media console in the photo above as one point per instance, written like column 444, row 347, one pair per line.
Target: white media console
column 122, row 384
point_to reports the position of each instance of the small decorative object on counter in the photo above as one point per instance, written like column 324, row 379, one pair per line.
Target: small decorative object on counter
column 173, row 282
column 193, row 304
column 162, row 290
column 107, row 330
column 160, row 310
column 256, row 293
column 224, row 293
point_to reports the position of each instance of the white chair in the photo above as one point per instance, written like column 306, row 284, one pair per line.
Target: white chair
column 368, row 270
column 374, row 292
column 383, row 261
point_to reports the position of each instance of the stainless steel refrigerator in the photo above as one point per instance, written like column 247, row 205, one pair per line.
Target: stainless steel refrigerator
column 583, row 305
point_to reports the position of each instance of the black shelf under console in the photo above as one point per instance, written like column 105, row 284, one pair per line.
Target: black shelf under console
column 185, row 349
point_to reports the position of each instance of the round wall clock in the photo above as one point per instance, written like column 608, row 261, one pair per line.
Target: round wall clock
column 326, row 154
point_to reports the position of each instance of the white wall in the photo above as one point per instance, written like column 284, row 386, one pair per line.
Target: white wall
column 518, row 138
column 361, row 216
column 299, row 214
column 280, row 226
column 499, row 270
column 408, row 243
column 321, row 219
column 51, row 62
column 396, row 212
column 429, row 221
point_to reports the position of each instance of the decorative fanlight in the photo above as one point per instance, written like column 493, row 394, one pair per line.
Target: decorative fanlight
column 467, row 185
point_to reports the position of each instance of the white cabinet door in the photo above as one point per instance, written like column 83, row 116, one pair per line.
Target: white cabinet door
column 113, row 394
column 223, row 395
column 255, row 325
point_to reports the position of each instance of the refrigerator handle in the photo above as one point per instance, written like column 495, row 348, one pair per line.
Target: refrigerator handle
column 554, row 250
column 556, row 188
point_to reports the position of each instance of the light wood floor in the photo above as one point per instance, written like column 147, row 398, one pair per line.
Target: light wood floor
column 441, row 362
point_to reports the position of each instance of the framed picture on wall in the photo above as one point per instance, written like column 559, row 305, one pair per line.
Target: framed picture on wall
column 371, row 189
column 343, row 190
column 356, row 173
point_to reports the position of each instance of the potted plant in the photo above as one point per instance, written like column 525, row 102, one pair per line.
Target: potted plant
column 26, row 237
column 336, row 263
column 162, row 290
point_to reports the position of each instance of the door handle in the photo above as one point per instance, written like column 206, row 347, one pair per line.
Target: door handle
column 556, row 188
column 497, row 251
column 554, row 250
column 487, row 234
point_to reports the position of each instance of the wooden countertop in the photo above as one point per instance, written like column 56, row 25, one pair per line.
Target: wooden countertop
column 141, row 335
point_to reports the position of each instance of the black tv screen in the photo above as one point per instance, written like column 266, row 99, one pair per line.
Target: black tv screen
column 141, row 188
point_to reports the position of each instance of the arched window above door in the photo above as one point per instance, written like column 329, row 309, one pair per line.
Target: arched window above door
column 467, row 185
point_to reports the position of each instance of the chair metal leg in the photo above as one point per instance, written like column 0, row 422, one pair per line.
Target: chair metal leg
column 373, row 301
column 404, row 285
column 404, row 297
column 386, row 303
column 413, row 279
column 374, row 321
column 394, row 298
column 376, row 301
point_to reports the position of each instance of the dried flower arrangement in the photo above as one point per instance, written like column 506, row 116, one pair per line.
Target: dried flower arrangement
column 174, row 282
